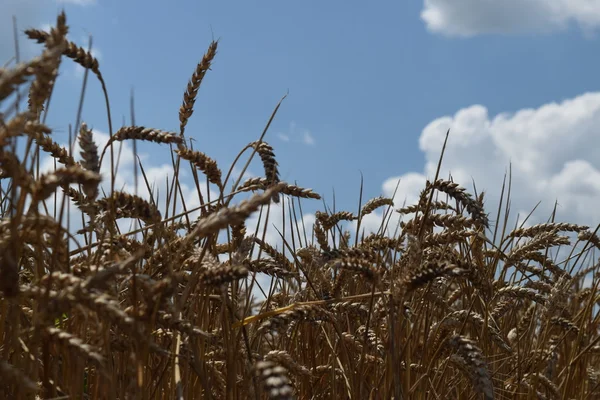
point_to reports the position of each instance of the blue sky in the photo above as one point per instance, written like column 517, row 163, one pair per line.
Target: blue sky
column 373, row 86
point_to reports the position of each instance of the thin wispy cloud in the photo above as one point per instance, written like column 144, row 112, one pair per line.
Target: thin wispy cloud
column 308, row 139
column 283, row 137
column 296, row 135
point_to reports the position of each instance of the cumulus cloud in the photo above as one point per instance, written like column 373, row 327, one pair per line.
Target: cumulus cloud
column 472, row 17
column 550, row 149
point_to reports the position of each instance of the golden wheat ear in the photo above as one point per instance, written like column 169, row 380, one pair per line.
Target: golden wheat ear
column 189, row 97
column 142, row 133
column 204, row 163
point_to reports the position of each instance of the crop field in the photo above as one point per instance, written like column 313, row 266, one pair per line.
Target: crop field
column 452, row 302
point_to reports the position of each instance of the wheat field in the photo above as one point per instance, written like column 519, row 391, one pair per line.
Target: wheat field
column 449, row 303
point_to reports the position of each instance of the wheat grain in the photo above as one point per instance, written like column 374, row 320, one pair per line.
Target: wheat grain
column 189, row 97
column 375, row 203
column 275, row 380
column 204, row 163
column 475, row 363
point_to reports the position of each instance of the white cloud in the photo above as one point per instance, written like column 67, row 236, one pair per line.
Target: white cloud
column 295, row 135
column 308, row 139
column 283, row 137
column 46, row 27
column 552, row 150
column 275, row 224
column 472, row 17
column 78, row 2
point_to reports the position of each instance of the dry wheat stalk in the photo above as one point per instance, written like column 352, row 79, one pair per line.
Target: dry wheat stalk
column 329, row 221
column 60, row 153
column 22, row 124
column 382, row 243
column 548, row 227
column 457, row 318
column 233, row 215
column 168, row 320
column 204, row 163
column 13, row 168
column 135, row 295
column 429, row 272
column 547, row 383
column 442, row 220
column 130, row 206
column 267, row 156
column 143, row 133
column 362, row 266
column 475, row 364
column 447, row 237
column 278, row 257
column 85, row 204
column 238, row 234
column 260, row 183
column 299, row 313
column 367, row 254
column 189, row 97
column 71, row 50
column 321, row 237
column 375, row 203
column 545, row 262
column 435, row 205
column 519, row 292
column 90, row 159
column 76, row 344
column 223, row 274
column 42, row 86
column 89, row 150
column 348, row 308
column 10, row 373
column 270, row 267
column 10, row 79
column 48, row 183
column 459, row 194
column 542, row 241
column 274, row 379
column 284, row 358
column 589, row 236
